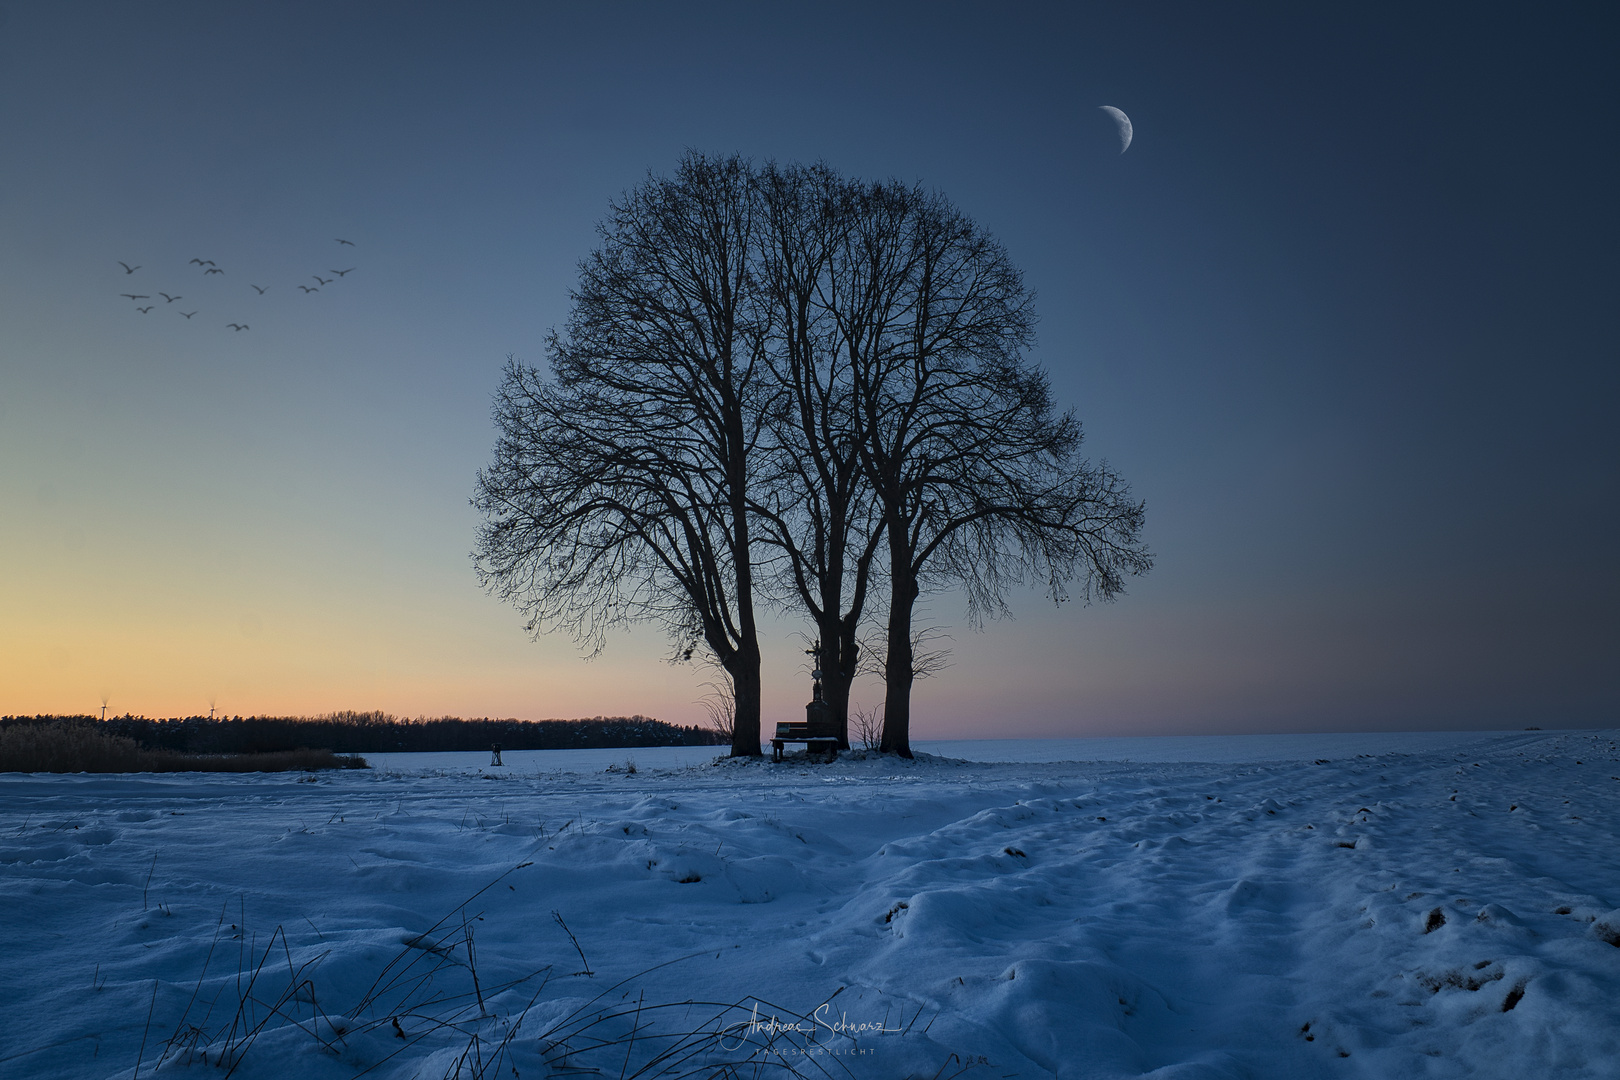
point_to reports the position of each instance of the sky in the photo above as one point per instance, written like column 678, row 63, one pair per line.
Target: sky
column 1342, row 314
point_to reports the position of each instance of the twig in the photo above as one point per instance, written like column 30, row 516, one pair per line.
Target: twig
column 148, row 884
column 371, row 993
column 512, row 1030
column 587, row 972
column 142, row 1051
column 472, row 963
column 198, row 988
column 634, row 1026
column 248, row 1034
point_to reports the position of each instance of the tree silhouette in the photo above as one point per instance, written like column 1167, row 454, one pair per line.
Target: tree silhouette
column 815, row 505
column 787, row 383
column 619, row 492
column 980, row 483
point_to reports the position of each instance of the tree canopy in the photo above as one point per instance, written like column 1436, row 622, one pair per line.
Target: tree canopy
column 782, row 385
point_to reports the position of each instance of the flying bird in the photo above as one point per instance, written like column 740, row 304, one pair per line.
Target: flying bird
column 323, row 281
column 187, row 314
column 307, row 289
column 349, row 242
column 134, row 296
column 238, row 327
column 340, row 273
column 144, row 310
column 170, row 299
column 261, row 291
column 215, row 270
column 128, row 269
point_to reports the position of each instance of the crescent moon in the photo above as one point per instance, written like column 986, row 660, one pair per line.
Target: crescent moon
column 1124, row 123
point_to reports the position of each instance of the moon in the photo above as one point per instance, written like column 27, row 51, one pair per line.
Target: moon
column 1124, row 123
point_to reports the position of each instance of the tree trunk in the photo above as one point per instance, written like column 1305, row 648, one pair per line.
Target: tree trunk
column 898, row 672
column 837, row 673
column 743, row 668
column 745, row 680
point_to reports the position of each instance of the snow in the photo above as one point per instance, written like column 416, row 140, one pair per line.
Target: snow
column 1442, row 905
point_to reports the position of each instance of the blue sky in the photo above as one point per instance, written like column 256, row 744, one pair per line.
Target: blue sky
column 1342, row 314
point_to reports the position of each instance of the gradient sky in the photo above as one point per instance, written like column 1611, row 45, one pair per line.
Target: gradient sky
column 1344, row 315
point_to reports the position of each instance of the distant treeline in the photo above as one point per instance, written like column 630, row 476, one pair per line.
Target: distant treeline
column 380, row 733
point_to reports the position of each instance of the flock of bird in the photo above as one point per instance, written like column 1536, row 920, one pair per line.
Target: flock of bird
column 208, row 267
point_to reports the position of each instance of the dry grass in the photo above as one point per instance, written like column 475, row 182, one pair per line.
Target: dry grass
column 720, row 705
column 68, row 746
column 429, row 998
column 866, row 725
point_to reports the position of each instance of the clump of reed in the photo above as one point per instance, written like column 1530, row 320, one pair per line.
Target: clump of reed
column 78, row 746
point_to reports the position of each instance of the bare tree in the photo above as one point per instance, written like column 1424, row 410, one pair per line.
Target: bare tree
column 619, row 492
column 816, row 506
column 981, row 484
column 785, row 383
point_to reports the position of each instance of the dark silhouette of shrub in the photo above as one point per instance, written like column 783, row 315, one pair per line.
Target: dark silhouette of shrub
column 81, row 744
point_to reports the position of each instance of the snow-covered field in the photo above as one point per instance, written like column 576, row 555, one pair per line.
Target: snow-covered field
column 1280, row 908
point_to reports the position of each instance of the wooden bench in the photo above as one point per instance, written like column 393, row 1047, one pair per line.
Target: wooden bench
column 818, row 732
column 818, row 739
